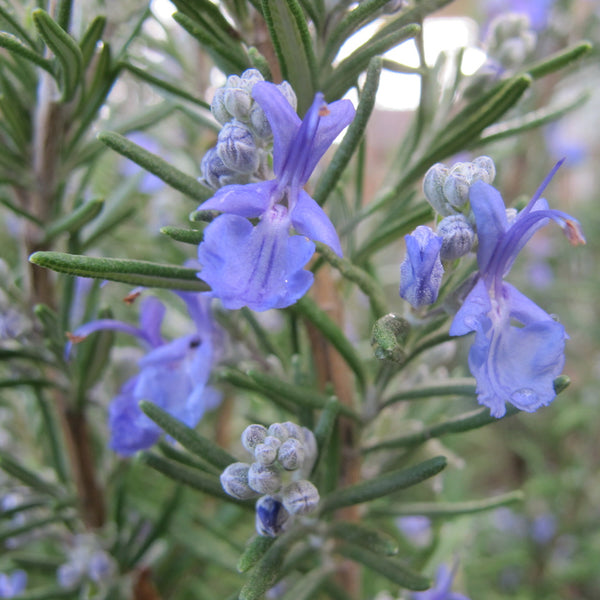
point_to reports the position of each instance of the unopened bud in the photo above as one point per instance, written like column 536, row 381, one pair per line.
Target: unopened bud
column 216, row 174
column 265, row 454
column 457, row 237
column 458, row 182
column 264, row 479
column 236, row 147
column 294, row 431
column 279, row 431
column 218, row 108
column 271, row 516
column 252, row 436
column 291, row 454
column 300, row 497
column 234, row 480
column 388, row 338
column 433, row 188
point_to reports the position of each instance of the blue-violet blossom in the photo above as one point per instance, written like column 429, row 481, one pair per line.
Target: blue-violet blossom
column 421, row 271
column 12, row 585
column 261, row 266
column 442, row 589
column 514, row 363
column 173, row 375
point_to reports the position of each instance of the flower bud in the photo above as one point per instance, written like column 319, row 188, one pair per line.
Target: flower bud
column 421, row 271
column 300, row 497
column 218, row 108
column 234, row 480
column 271, row 440
column 101, row 566
column 265, row 454
column 458, row 182
column 433, row 188
column 271, row 516
column 252, row 436
column 237, row 101
column 279, row 431
column 486, row 168
column 216, row 174
column 288, row 91
column 388, row 338
column 249, row 77
column 457, row 237
column 294, row 431
column 236, row 147
column 291, row 454
column 264, row 479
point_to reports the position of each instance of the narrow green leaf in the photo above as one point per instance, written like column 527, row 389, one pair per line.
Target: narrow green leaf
column 266, row 572
column 74, row 221
column 28, row 477
column 372, row 539
column 352, row 21
column 325, row 425
column 229, row 57
column 124, row 270
column 164, row 85
column 35, row 382
column 156, row 165
column 187, row 437
column 65, row 49
column 52, row 593
column 210, row 17
column 32, row 525
column 254, row 551
column 452, row 387
column 15, row 26
column 394, row 569
column 319, row 318
column 91, row 37
column 187, row 236
column 14, row 44
column 52, row 433
column 185, row 458
column 531, row 120
column 345, row 74
column 291, row 39
column 365, row 282
column 559, row 60
column 193, row 478
column 465, row 422
column 353, row 136
column 449, row 509
column 301, row 395
column 382, row 485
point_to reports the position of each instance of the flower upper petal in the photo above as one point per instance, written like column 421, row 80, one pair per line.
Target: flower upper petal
column 490, row 216
column 476, row 306
column 309, row 219
column 249, row 200
column 152, row 312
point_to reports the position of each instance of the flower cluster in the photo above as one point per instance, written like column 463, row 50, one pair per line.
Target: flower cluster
column 173, row 375
column 518, row 349
column 85, row 560
column 262, row 266
column 284, row 456
column 240, row 155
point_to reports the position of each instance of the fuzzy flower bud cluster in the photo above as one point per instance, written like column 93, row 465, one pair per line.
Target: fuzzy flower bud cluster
column 240, row 155
column 284, row 454
column 508, row 44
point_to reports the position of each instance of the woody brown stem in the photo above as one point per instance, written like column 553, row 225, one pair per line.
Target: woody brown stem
column 333, row 370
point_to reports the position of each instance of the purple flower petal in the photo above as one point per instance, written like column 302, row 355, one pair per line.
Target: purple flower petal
column 250, row 200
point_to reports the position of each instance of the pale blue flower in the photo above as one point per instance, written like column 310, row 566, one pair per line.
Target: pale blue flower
column 261, row 266
column 442, row 589
column 421, row 271
column 173, row 375
column 518, row 349
column 13, row 585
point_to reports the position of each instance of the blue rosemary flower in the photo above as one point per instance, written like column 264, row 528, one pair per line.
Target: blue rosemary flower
column 173, row 375
column 442, row 588
column 13, row 585
column 261, row 266
column 421, row 271
column 518, row 349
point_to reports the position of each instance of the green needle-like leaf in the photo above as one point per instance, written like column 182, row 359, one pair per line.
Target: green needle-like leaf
column 124, row 270
column 383, row 485
column 187, row 437
column 366, row 537
column 65, row 49
column 291, row 40
column 156, row 165
column 74, row 221
column 353, row 136
column 453, row 387
column 187, row 236
column 254, row 551
column 395, row 570
column 14, row 44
